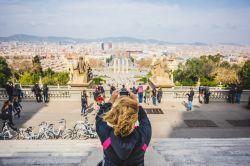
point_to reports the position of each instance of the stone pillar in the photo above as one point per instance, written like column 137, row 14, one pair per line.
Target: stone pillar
column 118, row 65
column 115, row 60
column 122, row 65
column 127, row 65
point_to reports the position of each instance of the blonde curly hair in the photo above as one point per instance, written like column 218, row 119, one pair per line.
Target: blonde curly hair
column 123, row 116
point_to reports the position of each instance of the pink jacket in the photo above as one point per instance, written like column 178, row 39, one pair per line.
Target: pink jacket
column 140, row 89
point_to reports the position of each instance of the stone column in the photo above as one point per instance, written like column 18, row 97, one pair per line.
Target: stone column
column 122, row 65
column 127, row 65
column 114, row 65
column 118, row 65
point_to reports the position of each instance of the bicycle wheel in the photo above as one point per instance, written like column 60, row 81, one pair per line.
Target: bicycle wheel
column 49, row 135
column 67, row 134
column 80, row 134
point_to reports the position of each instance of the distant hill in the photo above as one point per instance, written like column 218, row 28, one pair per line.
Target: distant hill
column 31, row 38
column 56, row 39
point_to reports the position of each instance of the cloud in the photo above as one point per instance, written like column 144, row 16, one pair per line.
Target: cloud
column 144, row 19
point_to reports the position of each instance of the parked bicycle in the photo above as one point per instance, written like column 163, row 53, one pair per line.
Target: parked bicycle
column 7, row 133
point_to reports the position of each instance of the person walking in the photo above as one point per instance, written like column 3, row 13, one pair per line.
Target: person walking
column 45, row 93
column 159, row 95
column 17, row 107
column 238, row 94
column 154, row 95
column 147, row 95
column 6, row 114
column 140, row 92
column 9, row 90
column 190, row 99
column 123, row 142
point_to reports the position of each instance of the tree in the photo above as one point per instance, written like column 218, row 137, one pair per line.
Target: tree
column 62, row 78
column 36, row 60
column 225, row 64
column 5, row 72
column 37, row 68
column 26, row 79
column 245, row 74
column 226, row 76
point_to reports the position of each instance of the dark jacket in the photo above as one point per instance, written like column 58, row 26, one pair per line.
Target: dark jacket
column 124, row 151
column 191, row 95
column 7, row 113
column 16, row 105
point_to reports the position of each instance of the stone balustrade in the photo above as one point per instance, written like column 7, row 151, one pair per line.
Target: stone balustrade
column 169, row 94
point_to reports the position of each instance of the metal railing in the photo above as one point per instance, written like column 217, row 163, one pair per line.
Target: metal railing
column 169, row 94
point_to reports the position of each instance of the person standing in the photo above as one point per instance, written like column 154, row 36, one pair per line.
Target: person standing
column 232, row 94
column 238, row 94
column 9, row 90
column 154, row 94
column 123, row 143
column 201, row 94
column 45, row 93
column 147, row 95
column 17, row 92
column 140, row 92
column 134, row 90
column 37, row 90
column 159, row 95
column 84, row 102
column 112, row 89
column 190, row 99
column 207, row 95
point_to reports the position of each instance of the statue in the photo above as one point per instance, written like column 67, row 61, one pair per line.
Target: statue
column 80, row 73
column 160, row 74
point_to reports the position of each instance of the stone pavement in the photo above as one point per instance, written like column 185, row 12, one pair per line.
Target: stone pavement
column 169, row 145
column 161, row 152
column 168, row 125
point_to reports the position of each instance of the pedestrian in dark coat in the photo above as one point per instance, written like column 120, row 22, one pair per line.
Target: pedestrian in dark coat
column 6, row 114
column 9, row 90
column 45, row 93
column 159, row 95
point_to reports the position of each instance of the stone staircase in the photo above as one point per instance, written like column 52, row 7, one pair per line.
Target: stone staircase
column 161, row 152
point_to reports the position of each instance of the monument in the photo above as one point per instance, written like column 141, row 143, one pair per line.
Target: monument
column 121, row 65
column 80, row 74
column 160, row 74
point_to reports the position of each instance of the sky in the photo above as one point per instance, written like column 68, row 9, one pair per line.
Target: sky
column 209, row 21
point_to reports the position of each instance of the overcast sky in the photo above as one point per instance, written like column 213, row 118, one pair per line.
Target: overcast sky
column 210, row 21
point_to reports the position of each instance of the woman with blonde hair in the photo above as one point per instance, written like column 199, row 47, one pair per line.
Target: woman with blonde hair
column 123, row 142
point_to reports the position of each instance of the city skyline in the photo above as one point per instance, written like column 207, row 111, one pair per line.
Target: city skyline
column 170, row 21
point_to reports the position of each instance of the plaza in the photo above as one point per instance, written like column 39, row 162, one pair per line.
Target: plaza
column 172, row 140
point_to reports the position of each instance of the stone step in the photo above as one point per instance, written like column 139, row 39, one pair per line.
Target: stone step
column 31, row 160
column 204, row 151
column 161, row 152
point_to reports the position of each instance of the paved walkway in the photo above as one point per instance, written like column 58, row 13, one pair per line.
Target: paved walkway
column 170, row 124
